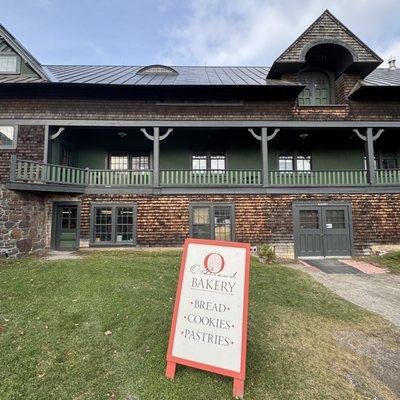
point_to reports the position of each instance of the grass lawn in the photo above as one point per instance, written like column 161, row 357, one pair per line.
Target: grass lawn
column 53, row 316
column 390, row 261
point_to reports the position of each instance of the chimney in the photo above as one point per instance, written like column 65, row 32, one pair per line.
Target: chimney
column 392, row 63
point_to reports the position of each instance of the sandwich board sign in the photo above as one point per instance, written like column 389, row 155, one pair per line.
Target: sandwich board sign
column 209, row 323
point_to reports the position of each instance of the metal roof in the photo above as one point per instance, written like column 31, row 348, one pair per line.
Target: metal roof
column 382, row 77
column 128, row 75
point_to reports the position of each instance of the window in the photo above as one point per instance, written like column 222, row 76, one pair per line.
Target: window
column 125, row 161
column 113, row 224
column 69, row 217
column 7, row 137
column 208, row 161
column 309, row 219
column 336, row 218
column 212, row 221
column 294, row 162
column 9, row 64
column 383, row 160
column 66, row 157
column 317, row 91
column 140, row 162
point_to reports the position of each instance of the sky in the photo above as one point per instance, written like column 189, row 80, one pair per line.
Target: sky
column 187, row 32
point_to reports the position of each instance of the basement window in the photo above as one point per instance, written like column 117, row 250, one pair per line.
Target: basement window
column 9, row 64
column 7, row 137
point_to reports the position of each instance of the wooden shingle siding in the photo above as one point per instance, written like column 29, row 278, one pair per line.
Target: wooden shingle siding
column 30, row 146
column 164, row 220
column 327, row 27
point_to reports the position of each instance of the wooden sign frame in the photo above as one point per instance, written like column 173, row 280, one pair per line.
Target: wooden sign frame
column 238, row 377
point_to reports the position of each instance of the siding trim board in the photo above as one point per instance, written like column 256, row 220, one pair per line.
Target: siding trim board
column 208, row 123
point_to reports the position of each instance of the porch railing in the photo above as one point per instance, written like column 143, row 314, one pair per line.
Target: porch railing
column 36, row 172
column 120, row 177
column 387, row 176
column 240, row 177
column 318, row 178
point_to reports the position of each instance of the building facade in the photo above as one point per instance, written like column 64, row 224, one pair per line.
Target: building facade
column 303, row 155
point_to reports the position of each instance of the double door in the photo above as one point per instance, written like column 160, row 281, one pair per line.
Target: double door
column 322, row 230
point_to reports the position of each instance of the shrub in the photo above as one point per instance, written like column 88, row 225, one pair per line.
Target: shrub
column 266, row 253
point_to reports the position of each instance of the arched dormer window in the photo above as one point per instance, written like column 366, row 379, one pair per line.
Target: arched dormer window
column 317, row 91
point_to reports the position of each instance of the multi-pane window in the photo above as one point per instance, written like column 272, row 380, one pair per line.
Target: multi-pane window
column 9, row 64
column 285, row 162
column 294, row 162
column 384, row 160
column 66, row 156
column 69, row 217
column 317, row 89
column 309, row 219
column 113, row 224
column 140, row 162
column 199, row 162
column 208, row 161
column 118, row 162
column 129, row 161
column 336, row 219
column 212, row 222
column 7, row 136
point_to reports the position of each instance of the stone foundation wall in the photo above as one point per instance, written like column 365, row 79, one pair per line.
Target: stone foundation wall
column 22, row 223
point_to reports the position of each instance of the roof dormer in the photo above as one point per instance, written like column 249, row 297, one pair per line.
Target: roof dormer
column 327, row 44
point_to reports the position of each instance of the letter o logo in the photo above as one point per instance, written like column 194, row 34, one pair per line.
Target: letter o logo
column 214, row 263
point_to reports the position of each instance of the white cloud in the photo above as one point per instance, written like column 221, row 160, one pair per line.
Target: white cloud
column 255, row 32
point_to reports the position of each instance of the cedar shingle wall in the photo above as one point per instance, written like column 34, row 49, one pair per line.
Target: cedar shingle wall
column 30, row 146
column 164, row 220
column 137, row 110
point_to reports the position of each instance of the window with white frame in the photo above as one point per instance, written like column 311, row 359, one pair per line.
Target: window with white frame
column 293, row 161
column 7, row 136
column 208, row 161
column 9, row 64
column 126, row 161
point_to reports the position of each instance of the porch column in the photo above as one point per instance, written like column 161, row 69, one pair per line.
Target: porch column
column 369, row 137
column 264, row 155
column 156, row 157
column 156, row 138
column 264, row 138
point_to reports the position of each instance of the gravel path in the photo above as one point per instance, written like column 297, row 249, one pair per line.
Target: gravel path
column 379, row 293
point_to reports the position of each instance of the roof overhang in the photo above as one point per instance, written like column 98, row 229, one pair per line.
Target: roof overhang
column 356, row 67
column 153, row 92
column 364, row 91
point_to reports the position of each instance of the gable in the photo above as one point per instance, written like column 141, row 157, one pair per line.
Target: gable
column 329, row 31
column 28, row 68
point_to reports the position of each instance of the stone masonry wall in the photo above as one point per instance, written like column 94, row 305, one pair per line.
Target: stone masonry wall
column 22, row 223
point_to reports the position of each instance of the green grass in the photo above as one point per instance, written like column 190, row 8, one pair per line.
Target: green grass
column 390, row 261
column 53, row 316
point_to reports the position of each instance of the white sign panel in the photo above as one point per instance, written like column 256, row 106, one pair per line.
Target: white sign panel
column 209, row 326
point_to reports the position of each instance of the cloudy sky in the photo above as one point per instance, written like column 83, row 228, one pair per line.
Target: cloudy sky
column 186, row 32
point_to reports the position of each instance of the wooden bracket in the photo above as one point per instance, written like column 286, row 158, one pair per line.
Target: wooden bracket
column 264, row 130
column 151, row 137
column 365, row 137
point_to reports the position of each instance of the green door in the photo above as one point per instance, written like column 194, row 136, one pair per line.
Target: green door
column 66, row 227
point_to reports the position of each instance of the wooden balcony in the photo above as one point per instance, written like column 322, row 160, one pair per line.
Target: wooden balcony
column 35, row 173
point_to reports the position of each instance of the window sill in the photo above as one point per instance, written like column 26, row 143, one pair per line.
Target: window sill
column 322, row 106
